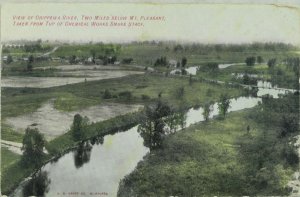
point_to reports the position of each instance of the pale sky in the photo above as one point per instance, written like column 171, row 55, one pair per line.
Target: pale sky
column 206, row 23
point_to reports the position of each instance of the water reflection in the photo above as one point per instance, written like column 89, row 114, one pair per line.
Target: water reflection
column 83, row 154
column 38, row 185
column 97, row 140
column 266, row 88
column 100, row 170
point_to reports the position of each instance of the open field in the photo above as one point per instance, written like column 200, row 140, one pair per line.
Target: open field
column 70, row 78
column 53, row 123
column 7, row 158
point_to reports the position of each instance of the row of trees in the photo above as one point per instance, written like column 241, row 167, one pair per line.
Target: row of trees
column 160, row 119
column 272, row 62
column 223, row 106
column 30, row 47
column 73, row 59
column 250, row 61
column 157, row 121
column 211, row 67
column 9, row 59
column 162, row 61
column 210, row 48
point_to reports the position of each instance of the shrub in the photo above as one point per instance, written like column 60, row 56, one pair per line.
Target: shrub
column 107, row 94
column 125, row 95
column 145, row 97
column 209, row 92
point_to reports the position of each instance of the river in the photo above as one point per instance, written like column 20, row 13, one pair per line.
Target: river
column 98, row 167
column 193, row 69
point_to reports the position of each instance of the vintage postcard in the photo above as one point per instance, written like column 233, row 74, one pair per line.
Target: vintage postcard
column 150, row 99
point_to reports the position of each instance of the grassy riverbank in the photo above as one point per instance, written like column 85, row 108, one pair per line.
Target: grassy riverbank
column 218, row 158
column 8, row 158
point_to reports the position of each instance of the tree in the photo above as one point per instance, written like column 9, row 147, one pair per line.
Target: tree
column 210, row 67
column 113, row 59
column 289, row 124
column 78, row 126
column 223, row 105
column 207, row 109
column 174, row 120
column 30, row 62
column 183, row 61
column 178, row 48
column 272, row 62
column 9, row 59
column 30, row 59
column 127, row 60
column 72, row 59
column 152, row 124
column 179, row 93
column 250, row 61
column 162, row 61
column 183, row 72
column 33, row 145
column 259, row 59
column 93, row 53
column 190, row 80
column 248, row 80
column 248, row 129
column 107, row 94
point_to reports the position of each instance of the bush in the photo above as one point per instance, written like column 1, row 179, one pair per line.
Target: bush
column 141, row 86
column 250, row 61
column 259, row 59
column 209, row 92
column 291, row 156
column 125, row 95
column 183, row 72
column 127, row 60
column 179, row 92
column 107, row 94
column 145, row 97
column 210, row 67
column 272, row 62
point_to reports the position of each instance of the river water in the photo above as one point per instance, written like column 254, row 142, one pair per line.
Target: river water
column 193, row 69
column 98, row 168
